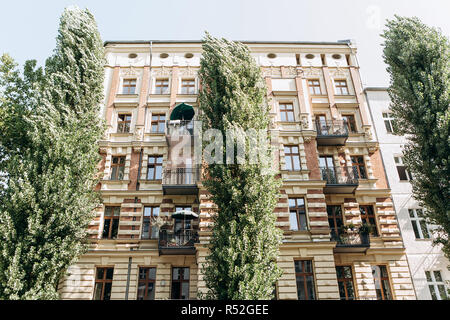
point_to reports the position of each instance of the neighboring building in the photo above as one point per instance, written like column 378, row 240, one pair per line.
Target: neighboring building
column 329, row 162
column 429, row 268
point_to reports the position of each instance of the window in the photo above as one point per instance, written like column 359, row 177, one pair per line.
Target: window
column 292, row 158
column 322, row 126
column 286, row 112
column 146, row 284
column 335, row 220
column 381, row 279
column 297, row 214
column 117, row 168
column 187, row 86
column 368, row 217
column 349, row 122
column 420, row 227
column 123, row 123
column 162, row 86
column 129, row 86
column 149, row 232
column 180, row 283
column 341, row 87
column 359, row 169
column 436, row 285
column 345, row 282
column 158, row 123
column 389, row 122
column 326, row 166
column 182, row 224
column 103, row 283
column 111, row 222
column 314, row 87
column 403, row 174
column 305, row 280
column 154, row 168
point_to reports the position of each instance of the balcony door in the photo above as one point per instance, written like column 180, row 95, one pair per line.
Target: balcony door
column 321, row 124
column 326, row 165
column 335, row 220
column 180, row 225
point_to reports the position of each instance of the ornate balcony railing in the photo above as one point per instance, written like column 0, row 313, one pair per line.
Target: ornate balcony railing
column 181, row 176
column 350, row 241
column 180, row 242
column 339, row 175
column 331, row 128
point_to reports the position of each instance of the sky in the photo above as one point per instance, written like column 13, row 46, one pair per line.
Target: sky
column 28, row 28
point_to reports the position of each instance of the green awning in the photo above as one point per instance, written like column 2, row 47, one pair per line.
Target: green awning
column 182, row 111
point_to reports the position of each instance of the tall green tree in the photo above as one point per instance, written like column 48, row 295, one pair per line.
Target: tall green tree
column 418, row 59
column 244, row 244
column 49, row 159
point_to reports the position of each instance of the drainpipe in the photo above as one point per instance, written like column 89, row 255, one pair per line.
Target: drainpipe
column 128, row 278
column 139, row 170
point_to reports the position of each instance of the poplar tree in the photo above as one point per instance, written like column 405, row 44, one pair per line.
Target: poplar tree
column 244, row 244
column 418, row 59
column 49, row 175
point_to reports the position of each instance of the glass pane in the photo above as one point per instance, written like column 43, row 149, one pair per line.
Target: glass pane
column 424, row 229
column 146, row 229
column 147, row 211
column 433, row 292
column 176, row 273
column 186, row 273
column 386, row 290
column 100, row 273
column 442, row 292
column 348, row 272
column 116, row 211
column 292, row 203
column 114, row 173
column 294, row 149
column 296, row 163
column 384, row 273
column 141, row 291
column 121, row 172
column 151, row 159
column 301, row 294
column 156, row 211
column 175, row 290
column 106, row 227
column 109, row 273
column 185, row 290
column 298, row 266
column 151, row 291
column 437, row 276
column 308, row 265
column 151, row 173
column 283, row 116
column 290, row 116
column 342, row 290
column 287, row 150
column 303, row 223
column 350, row 291
column 288, row 162
column 310, row 287
column 340, row 272
column 107, row 292
column 411, row 213
column 152, row 273
column 416, row 230
column 142, row 273
column 293, row 220
column 428, row 275
column 158, row 173
column 115, row 228
column 98, row 291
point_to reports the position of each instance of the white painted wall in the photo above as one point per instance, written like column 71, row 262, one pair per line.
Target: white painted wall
column 422, row 255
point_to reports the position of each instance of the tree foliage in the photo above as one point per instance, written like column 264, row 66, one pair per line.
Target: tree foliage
column 418, row 63
column 244, row 242
column 48, row 157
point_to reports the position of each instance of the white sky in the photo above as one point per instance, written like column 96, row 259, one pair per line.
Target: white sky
column 28, row 28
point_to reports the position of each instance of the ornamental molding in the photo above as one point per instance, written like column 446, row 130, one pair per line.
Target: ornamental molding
column 130, row 72
column 162, row 71
column 310, row 71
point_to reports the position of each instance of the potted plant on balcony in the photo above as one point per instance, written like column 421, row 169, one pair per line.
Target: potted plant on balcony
column 364, row 231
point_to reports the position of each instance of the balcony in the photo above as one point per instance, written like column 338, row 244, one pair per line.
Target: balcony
column 181, row 181
column 339, row 179
column 181, row 242
column 331, row 132
column 350, row 242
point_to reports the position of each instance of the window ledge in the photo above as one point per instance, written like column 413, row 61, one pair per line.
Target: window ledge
column 127, row 95
column 121, row 134
column 107, row 181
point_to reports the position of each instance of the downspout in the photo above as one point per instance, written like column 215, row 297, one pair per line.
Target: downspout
column 389, row 186
column 128, row 278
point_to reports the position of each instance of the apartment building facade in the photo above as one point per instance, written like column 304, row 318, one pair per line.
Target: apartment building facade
column 148, row 241
column 429, row 268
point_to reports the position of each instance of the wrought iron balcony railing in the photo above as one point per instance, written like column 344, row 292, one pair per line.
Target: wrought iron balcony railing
column 330, row 128
column 350, row 239
column 339, row 175
column 181, row 176
column 183, row 239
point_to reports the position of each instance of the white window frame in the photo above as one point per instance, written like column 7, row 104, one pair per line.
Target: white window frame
column 416, row 220
column 389, row 118
column 400, row 163
column 435, row 284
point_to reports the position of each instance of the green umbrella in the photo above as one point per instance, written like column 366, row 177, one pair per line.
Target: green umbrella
column 182, row 111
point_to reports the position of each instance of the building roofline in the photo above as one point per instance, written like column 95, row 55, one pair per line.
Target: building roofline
column 340, row 42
